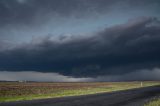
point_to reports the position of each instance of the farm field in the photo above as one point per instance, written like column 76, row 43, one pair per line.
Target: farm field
column 15, row 91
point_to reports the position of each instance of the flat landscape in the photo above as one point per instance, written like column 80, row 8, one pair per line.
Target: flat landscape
column 16, row 91
column 131, row 97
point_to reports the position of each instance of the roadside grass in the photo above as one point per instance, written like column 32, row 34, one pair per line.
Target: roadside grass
column 153, row 103
column 14, row 91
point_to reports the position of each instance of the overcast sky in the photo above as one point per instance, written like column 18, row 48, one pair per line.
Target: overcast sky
column 79, row 40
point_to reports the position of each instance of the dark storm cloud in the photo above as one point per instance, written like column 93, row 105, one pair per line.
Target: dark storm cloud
column 20, row 20
column 31, row 11
column 115, row 50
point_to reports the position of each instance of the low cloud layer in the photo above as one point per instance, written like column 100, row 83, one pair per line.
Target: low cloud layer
column 116, row 50
column 138, row 75
column 39, row 76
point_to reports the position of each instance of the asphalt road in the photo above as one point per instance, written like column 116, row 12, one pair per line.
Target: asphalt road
column 134, row 97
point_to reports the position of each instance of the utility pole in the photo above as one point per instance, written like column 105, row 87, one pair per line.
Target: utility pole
column 141, row 84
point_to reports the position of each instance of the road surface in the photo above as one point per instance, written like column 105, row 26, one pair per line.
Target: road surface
column 134, row 97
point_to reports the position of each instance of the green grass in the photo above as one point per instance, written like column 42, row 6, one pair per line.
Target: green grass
column 28, row 91
column 153, row 103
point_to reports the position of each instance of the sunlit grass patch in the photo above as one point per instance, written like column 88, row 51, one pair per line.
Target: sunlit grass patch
column 153, row 103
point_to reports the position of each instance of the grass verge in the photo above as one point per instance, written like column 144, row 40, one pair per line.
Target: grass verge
column 153, row 103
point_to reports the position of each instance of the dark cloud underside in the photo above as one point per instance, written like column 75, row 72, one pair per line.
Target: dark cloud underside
column 115, row 50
